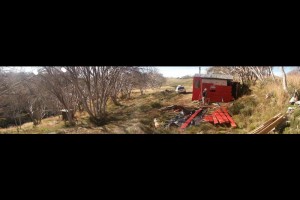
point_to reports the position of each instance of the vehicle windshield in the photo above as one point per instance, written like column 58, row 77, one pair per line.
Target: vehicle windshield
column 181, row 88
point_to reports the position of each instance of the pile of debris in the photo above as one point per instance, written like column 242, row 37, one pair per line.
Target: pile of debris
column 182, row 116
column 186, row 117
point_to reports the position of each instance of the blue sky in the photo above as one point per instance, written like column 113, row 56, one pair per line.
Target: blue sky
column 178, row 71
column 175, row 71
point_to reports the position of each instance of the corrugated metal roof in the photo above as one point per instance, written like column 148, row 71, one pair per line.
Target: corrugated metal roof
column 216, row 76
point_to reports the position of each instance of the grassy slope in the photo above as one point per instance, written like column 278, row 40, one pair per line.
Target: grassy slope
column 253, row 110
column 136, row 114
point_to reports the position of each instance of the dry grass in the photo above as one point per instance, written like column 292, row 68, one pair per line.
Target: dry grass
column 172, row 83
column 49, row 125
column 262, row 109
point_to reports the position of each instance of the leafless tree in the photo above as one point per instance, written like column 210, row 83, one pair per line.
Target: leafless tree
column 245, row 74
column 3, row 85
column 37, row 100
column 128, row 81
column 12, row 98
column 272, row 73
column 123, row 85
column 54, row 80
column 141, row 79
column 284, row 80
column 85, row 87
column 146, row 77
column 156, row 80
column 94, row 85
column 23, row 97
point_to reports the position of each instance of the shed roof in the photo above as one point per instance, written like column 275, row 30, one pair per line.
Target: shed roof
column 215, row 76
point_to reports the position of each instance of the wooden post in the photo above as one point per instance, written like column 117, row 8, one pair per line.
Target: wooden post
column 64, row 114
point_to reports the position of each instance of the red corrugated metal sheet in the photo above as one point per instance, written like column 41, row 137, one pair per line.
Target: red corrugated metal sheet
column 190, row 119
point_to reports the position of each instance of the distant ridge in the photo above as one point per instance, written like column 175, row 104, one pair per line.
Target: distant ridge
column 295, row 71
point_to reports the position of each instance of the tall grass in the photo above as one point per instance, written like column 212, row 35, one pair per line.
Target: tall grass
column 252, row 110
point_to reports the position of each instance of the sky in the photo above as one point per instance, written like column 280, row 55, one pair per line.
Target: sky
column 172, row 71
column 179, row 71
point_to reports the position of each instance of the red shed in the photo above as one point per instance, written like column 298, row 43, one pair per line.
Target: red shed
column 219, row 87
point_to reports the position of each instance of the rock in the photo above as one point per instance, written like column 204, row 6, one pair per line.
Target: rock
column 82, row 128
column 290, row 109
column 156, row 123
column 61, row 132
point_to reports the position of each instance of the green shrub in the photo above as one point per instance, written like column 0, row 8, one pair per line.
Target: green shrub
column 247, row 111
column 250, row 101
column 155, row 105
column 236, row 108
column 5, row 122
column 297, row 113
column 144, row 108
column 245, row 107
column 252, row 127
column 146, row 121
column 203, row 127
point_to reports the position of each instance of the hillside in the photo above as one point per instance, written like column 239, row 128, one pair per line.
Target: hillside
column 266, row 100
column 294, row 72
column 136, row 115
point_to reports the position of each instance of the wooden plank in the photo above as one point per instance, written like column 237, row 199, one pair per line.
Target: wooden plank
column 271, row 126
column 232, row 123
column 215, row 119
column 223, row 116
column 263, row 126
column 266, row 124
column 226, row 114
column 184, row 125
column 270, row 120
column 220, row 119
